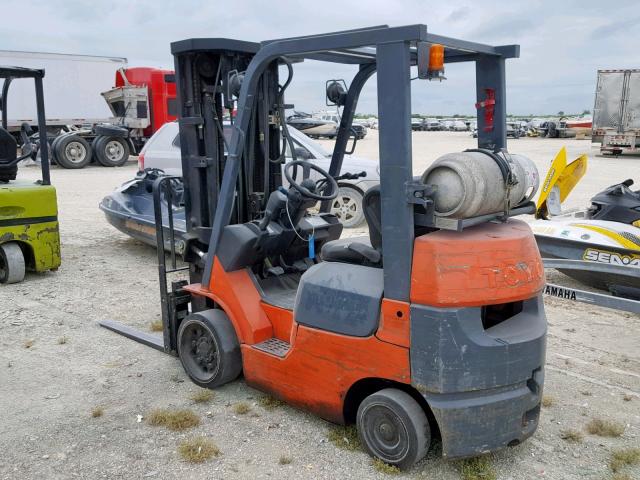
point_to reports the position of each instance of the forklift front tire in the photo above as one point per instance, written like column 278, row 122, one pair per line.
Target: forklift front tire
column 209, row 349
column 12, row 266
column 393, row 427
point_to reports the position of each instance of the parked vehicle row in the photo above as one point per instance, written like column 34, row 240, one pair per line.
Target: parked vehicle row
column 323, row 125
column 433, row 125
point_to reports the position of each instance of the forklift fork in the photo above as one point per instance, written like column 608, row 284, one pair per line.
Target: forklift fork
column 174, row 303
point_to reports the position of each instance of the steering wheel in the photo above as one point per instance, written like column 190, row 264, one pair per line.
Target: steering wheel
column 306, row 170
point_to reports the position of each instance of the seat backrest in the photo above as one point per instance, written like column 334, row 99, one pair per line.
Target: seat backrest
column 8, row 147
column 372, row 212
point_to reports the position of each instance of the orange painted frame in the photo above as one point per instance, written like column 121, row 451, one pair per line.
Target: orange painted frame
column 320, row 367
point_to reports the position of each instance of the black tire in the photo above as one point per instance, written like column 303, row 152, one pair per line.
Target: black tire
column 111, row 151
column 393, row 427
column 73, row 151
column 208, row 348
column 54, row 144
column 12, row 265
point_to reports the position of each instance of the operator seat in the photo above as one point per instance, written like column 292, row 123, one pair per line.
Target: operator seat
column 8, row 155
column 360, row 250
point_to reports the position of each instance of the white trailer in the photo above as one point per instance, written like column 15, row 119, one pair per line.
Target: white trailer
column 616, row 113
column 72, row 88
column 81, row 126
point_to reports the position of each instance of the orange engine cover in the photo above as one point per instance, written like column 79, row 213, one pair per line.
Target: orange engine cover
column 487, row 264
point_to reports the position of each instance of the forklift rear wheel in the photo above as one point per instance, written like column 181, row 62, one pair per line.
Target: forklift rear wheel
column 111, row 151
column 393, row 427
column 12, row 267
column 208, row 348
column 73, row 151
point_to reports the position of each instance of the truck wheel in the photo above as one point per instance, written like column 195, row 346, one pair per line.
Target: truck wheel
column 393, row 427
column 208, row 348
column 12, row 267
column 73, row 151
column 347, row 206
column 111, row 151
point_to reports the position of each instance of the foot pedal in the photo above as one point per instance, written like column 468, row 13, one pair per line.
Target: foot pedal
column 274, row 346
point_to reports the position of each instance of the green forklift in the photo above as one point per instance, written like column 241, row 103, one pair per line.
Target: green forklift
column 29, row 229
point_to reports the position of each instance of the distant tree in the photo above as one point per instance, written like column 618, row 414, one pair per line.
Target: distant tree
column 586, row 112
column 560, row 113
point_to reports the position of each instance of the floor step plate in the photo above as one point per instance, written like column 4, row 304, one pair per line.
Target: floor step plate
column 274, row 346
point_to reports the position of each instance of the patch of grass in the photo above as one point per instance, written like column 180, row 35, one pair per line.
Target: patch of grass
column 605, row 428
column 97, row 412
column 477, row 468
column 202, row 396
column 548, row 401
column 345, row 437
column 197, row 450
column 155, row 326
column 622, row 476
column 242, row 408
column 29, row 343
column 62, row 340
column 173, row 419
column 571, row 435
column 285, row 460
column 624, row 457
column 385, row 468
column 270, row 403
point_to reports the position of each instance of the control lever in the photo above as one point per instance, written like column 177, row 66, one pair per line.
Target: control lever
column 351, row 176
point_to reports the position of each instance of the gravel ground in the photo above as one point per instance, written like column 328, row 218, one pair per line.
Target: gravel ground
column 57, row 365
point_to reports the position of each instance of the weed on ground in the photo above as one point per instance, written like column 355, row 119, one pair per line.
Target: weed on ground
column 623, row 458
column 385, row 468
column 478, row 468
column 198, row 450
column 605, row 428
column 345, row 437
column 173, row 419
column 202, row 396
column 270, row 403
column 571, row 435
column 242, row 408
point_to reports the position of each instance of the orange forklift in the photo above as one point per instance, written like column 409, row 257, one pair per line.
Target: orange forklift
column 429, row 327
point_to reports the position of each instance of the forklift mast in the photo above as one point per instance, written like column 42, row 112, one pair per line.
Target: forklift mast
column 209, row 73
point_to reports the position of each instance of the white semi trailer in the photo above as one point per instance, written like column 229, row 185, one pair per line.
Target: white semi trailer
column 72, row 88
column 616, row 113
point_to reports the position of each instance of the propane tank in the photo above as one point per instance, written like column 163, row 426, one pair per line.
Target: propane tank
column 469, row 184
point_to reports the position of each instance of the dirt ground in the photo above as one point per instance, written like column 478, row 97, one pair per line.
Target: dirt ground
column 57, row 365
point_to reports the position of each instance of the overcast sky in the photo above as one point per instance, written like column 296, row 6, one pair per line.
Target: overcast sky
column 563, row 43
